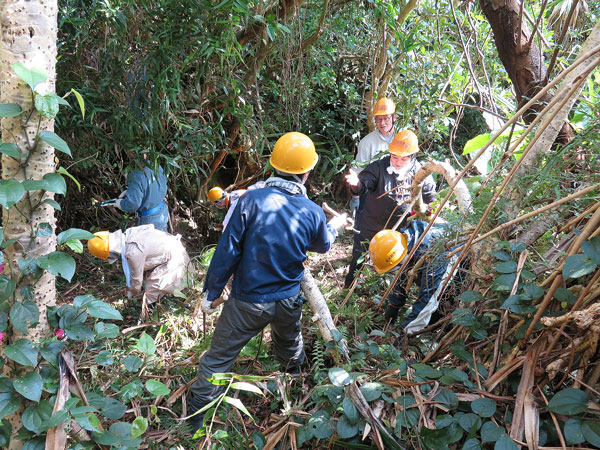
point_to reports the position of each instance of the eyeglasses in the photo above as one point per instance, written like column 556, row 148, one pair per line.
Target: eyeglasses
column 383, row 119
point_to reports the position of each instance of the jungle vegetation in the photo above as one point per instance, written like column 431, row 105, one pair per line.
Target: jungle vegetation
column 506, row 91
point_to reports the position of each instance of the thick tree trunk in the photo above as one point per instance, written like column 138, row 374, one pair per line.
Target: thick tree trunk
column 28, row 36
column 521, row 57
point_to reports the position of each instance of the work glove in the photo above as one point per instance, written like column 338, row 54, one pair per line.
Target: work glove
column 129, row 293
column 338, row 222
column 118, row 203
column 123, row 194
column 207, row 305
column 354, row 202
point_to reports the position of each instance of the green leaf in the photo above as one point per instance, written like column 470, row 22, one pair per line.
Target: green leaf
column 33, row 77
column 157, row 388
column 133, row 363
column 504, row 283
column 139, row 426
column 237, row 403
column 425, row 371
column 243, row 386
column 73, row 233
column 80, row 102
column 29, row 386
column 11, row 191
column 447, row 398
column 81, row 301
column 476, row 143
column 9, row 403
column 11, row 150
column 502, row 255
column 108, row 330
column 113, row 409
column 54, row 140
column 50, row 351
column 505, row 443
column 75, row 245
column 350, row 410
column 7, row 287
column 63, row 171
column 24, row 315
column 591, row 432
column 55, row 183
column 591, row 249
column 38, row 443
column 22, row 352
column 35, row 418
column 79, row 332
column 10, row 110
column 470, row 296
column 145, row 344
column 484, row 407
column 569, row 402
column 346, row 429
column 58, row 263
column 371, row 391
column 339, row 377
column 490, row 432
column 573, row 432
column 505, row 267
column 469, row 422
column 52, row 203
column 132, row 390
column 47, row 105
column 516, row 246
column 319, row 425
column 102, row 310
column 565, row 295
column 44, row 230
column 104, row 358
column 577, row 266
column 463, row 316
column 5, row 432
column 471, row 444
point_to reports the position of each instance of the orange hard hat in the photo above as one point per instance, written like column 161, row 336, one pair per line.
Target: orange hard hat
column 294, row 153
column 404, row 143
column 215, row 194
column 384, row 107
column 99, row 245
column 387, row 249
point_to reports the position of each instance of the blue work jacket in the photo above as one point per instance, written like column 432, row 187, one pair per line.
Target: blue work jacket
column 265, row 244
column 146, row 191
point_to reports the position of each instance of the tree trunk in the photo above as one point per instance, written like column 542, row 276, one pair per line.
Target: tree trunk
column 521, row 57
column 28, row 36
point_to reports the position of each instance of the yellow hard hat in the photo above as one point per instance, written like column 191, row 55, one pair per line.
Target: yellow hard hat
column 384, row 107
column 215, row 194
column 294, row 153
column 99, row 245
column 387, row 249
column 404, row 143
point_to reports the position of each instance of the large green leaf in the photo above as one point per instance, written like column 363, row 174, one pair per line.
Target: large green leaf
column 470, row 296
column 73, row 233
column 248, row 387
column 29, row 386
column 22, row 352
column 577, row 266
column 476, row 143
column 591, row 249
column 569, row 402
column 145, row 344
column 58, row 263
column 346, row 429
column 108, row 330
column 490, row 432
column 591, row 432
column 33, row 77
column 47, row 105
column 50, row 351
column 505, row 443
column 24, row 315
column 11, row 191
column 426, row 371
column 339, row 377
column 7, row 287
column 157, row 388
column 484, row 407
column 371, row 391
column 113, row 409
column 11, row 150
column 320, row 425
column 104, row 358
column 350, row 410
column 505, row 267
column 103, row 310
column 139, row 426
column 80, row 102
column 54, row 140
column 132, row 363
column 9, row 403
column 79, row 332
column 10, row 110
column 237, row 403
column 573, row 432
column 55, row 183
column 463, row 316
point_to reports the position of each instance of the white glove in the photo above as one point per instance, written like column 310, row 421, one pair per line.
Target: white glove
column 338, row 222
column 207, row 306
column 123, row 194
column 118, row 203
column 129, row 293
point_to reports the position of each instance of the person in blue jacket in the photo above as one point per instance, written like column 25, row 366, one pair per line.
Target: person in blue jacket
column 145, row 196
column 263, row 247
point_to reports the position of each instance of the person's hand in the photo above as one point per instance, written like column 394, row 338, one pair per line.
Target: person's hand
column 354, row 202
column 352, row 178
column 123, row 194
column 207, row 307
column 118, row 203
column 338, row 222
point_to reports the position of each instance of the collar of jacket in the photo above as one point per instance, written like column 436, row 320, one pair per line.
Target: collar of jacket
column 290, row 186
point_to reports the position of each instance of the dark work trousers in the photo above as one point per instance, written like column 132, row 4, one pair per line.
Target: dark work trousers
column 241, row 321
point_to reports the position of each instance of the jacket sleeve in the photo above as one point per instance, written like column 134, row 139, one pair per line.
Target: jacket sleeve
column 325, row 237
column 136, row 189
column 137, row 260
column 228, row 253
column 367, row 179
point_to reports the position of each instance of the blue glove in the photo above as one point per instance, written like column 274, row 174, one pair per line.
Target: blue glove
column 354, row 202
